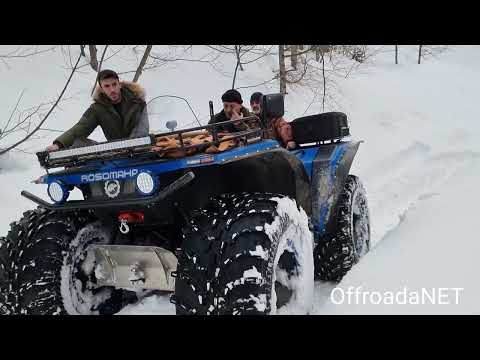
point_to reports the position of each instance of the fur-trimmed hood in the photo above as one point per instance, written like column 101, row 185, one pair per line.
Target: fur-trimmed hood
column 137, row 90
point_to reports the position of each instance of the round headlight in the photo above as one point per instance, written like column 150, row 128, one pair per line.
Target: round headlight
column 146, row 183
column 57, row 192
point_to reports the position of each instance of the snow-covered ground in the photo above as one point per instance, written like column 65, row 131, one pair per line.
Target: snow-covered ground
column 419, row 163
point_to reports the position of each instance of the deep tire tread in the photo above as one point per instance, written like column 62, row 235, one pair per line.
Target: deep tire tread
column 335, row 256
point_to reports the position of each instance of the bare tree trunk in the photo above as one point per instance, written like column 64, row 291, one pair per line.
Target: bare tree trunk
column 237, row 65
column 237, row 53
column 317, row 53
column 93, row 57
column 99, row 68
column 235, row 74
column 82, row 50
column 396, row 54
column 142, row 63
column 419, row 53
column 293, row 61
column 324, row 82
column 283, row 72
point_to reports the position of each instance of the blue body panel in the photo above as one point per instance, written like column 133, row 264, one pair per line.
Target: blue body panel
column 327, row 166
column 160, row 167
column 320, row 162
column 306, row 156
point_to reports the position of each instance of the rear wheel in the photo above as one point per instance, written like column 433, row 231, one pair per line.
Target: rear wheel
column 335, row 256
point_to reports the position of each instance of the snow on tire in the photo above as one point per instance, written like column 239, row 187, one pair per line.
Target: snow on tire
column 336, row 255
column 266, row 258
column 4, row 307
column 196, row 260
column 80, row 297
column 40, row 248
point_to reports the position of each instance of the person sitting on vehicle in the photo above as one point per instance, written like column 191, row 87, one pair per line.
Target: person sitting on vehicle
column 119, row 108
column 255, row 103
column 280, row 128
column 232, row 110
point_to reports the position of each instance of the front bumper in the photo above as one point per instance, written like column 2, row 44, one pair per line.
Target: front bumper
column 96, row 204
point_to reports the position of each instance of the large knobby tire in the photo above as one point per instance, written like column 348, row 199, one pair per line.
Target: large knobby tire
column 48, row 268
column 266, row 258
column 336, row 255
column 197, row 258
column 4, row 307
column 247, row 254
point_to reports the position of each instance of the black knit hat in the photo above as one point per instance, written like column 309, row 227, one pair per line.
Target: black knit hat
column 232, row 95
column 256, row 97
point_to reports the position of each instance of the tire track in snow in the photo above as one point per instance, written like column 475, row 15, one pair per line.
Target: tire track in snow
column 392, row 193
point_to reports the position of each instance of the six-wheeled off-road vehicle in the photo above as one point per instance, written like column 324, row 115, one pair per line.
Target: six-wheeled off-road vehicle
column 230, row 223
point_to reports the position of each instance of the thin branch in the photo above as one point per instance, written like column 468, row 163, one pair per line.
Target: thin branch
column 300, row 52
column 166, row 60
column 47, row 115
column 13, row 112
column 18, row 125
column 311, row 102
column 258, row 58
column 105, row 60
column 181, row 59
column 177, row 97
column 52, row 130
column 256, row 85
column 222, row 51
column 36, row 52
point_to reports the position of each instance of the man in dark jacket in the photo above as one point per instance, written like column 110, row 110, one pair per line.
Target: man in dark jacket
column 232, row 110
column 255, row 103
column 280, row 128
column 119, row 108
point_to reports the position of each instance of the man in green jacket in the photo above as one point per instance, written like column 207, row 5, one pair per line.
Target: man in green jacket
column 119, row 108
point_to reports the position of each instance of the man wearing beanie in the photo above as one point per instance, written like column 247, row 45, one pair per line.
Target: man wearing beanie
column 232, row 110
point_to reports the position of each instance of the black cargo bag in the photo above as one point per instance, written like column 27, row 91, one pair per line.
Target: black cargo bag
column 320, row 127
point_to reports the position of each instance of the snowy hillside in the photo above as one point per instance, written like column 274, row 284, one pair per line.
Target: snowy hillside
column 420, row 160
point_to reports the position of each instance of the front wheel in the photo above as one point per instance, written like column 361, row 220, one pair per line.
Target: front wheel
column 266, row 258
column 49, row 269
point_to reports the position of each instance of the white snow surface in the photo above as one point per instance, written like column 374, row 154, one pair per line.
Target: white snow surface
column 419, row 162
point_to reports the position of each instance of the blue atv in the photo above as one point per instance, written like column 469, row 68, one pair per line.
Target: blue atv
column 229, row 223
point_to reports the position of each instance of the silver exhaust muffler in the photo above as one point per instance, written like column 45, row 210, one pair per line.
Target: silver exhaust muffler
column 134, row 267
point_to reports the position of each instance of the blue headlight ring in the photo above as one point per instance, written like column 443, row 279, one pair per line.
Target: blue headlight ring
column 65, row 190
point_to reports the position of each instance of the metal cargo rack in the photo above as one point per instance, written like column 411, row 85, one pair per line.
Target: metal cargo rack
column 129, row 148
